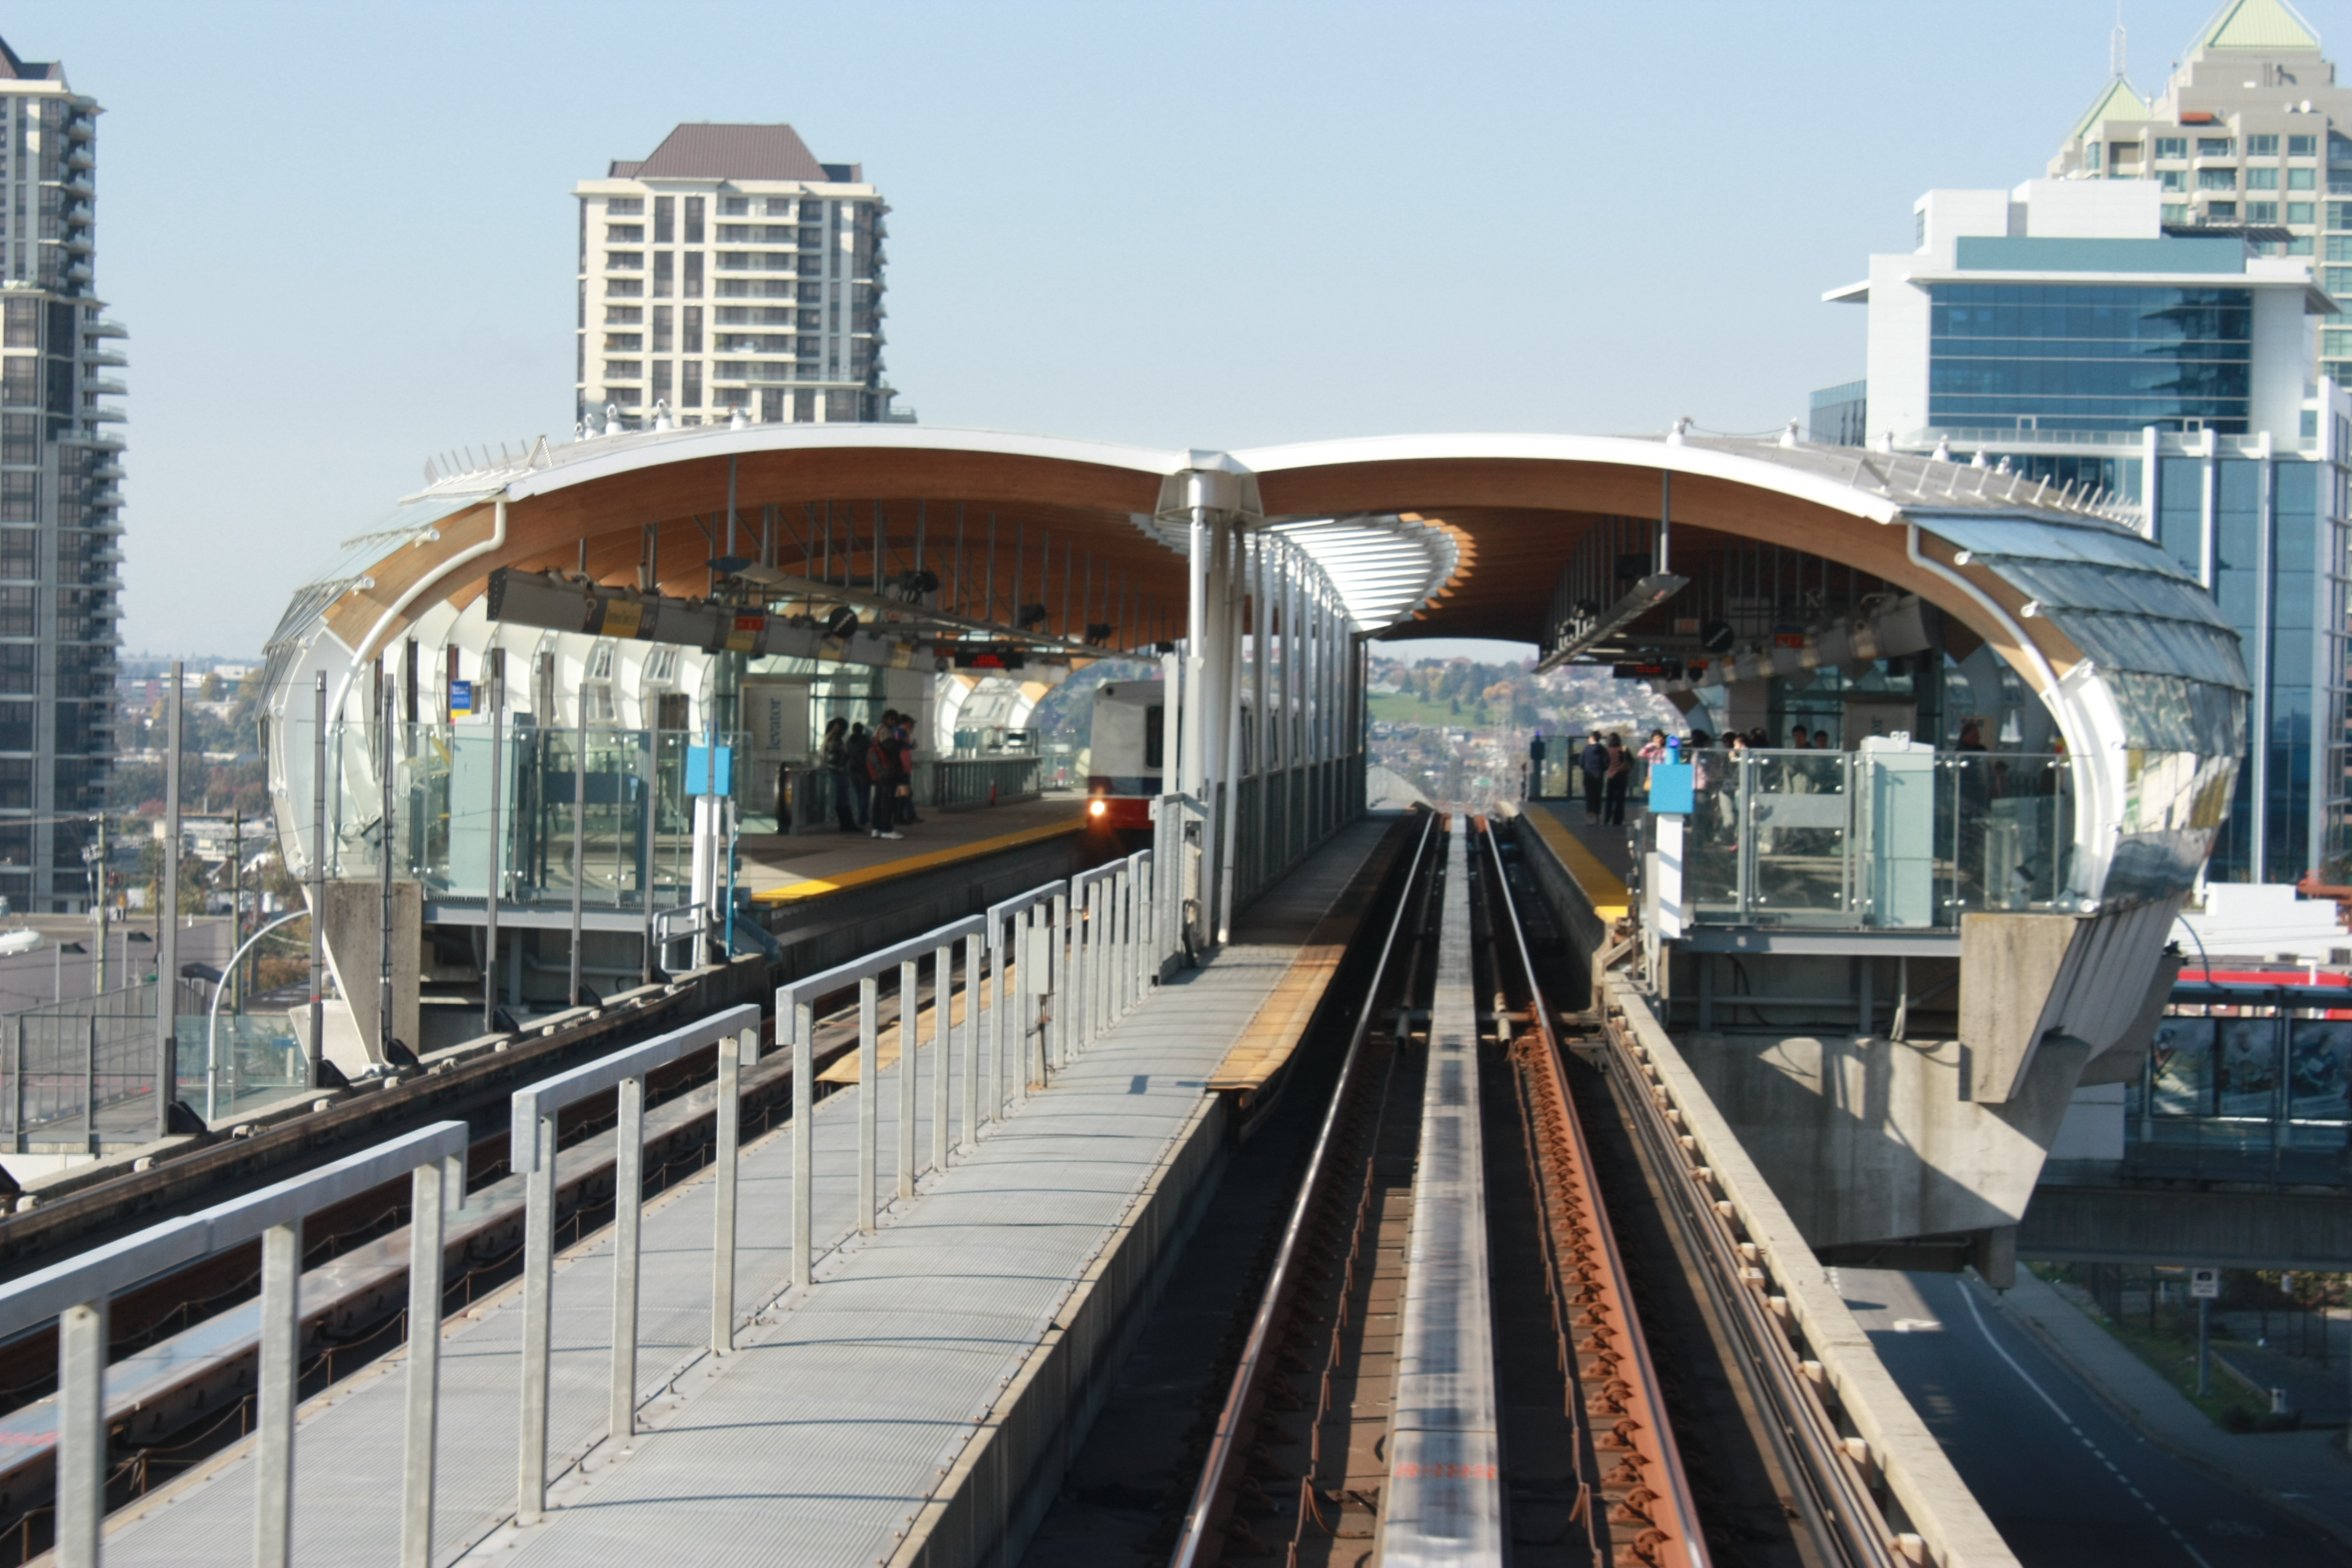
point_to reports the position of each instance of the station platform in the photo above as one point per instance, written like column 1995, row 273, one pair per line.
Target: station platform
column 1600, row 858
column 858, row 1416
column 789, row 869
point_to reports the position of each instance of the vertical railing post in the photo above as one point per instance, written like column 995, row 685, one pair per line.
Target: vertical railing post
column 868, row 1070
column 943, row 1016
column 1064, row 943
column 972, row 991
column 733, row 1051
column 539, row 1285
column 432, row 1192
column 81, row 1432
column 17, row 1099
column 1000, row 996
column 803, row 1024
column 89, row 1077
column 279, row 1356
column 910, row 1016
column 1083, row 933
column 629, row 1198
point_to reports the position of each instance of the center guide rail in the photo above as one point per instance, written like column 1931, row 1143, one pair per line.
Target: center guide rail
column 1203, row 1540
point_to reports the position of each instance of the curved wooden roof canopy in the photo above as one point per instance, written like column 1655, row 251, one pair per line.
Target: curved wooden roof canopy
column 1515, row 517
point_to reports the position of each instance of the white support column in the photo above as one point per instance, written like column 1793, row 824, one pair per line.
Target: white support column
column 1191, row 763
column 1261, row 658
column 1230, row 706
column 1214, row 729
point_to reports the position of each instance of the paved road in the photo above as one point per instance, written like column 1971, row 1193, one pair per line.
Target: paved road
column 2065, row 1481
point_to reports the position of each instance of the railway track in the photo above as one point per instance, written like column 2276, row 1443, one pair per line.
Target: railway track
column 1508, row 1319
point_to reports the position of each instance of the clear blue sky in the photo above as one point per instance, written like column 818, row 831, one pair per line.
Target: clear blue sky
column 341, row 239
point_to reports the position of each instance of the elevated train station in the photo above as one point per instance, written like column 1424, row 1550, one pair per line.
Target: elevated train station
column 1848, row 996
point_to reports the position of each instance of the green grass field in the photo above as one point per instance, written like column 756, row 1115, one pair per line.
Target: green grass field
column 1400, row 708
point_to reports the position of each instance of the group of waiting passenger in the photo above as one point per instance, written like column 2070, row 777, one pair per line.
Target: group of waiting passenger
column 1609, row 770
column 872, row 773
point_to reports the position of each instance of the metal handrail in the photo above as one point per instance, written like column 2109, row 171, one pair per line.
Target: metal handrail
column 76, row 1293
column 796, row 1027
column 533, row 1110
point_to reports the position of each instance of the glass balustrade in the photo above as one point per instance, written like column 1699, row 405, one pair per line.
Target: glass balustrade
column 1899, row 839
column 607, row 810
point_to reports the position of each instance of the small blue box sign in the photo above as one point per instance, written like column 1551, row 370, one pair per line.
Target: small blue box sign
column 461, row 698
column 709, row 770
column 1670, row 789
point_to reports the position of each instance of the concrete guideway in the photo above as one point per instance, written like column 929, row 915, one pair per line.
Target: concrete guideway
column 876, row 1404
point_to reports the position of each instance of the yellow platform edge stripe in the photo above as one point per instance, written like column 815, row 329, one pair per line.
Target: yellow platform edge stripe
column 1602, row 886
column 868, row 876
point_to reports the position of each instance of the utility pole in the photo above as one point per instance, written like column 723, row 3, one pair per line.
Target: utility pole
column 493, row 693
column 167, row 918
column 318, row 1051
column 98, row 905
column 390, row 712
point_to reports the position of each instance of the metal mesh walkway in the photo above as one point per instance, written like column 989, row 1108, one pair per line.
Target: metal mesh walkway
column 819, row 1439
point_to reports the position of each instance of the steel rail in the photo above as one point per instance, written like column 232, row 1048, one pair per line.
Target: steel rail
column 1202, row 1518
column 1830, row 1491
column 1648, row 1488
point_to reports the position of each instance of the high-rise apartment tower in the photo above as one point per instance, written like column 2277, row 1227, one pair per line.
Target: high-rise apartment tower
column 59, row 461
column 2250, row 136
column 731, row 271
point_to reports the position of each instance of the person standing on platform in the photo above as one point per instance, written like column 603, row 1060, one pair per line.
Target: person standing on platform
column 1613, row 780
column 861, row 779
column 906, row 770
column 836, row 755
column 1594, row 765
column 882, row 769
column 1535, row 767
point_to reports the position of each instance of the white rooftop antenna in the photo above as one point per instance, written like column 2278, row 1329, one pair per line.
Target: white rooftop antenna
column 2115, row 44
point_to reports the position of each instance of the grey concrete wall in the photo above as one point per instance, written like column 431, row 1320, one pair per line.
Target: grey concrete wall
column 353, row 935
column 1865, row 1139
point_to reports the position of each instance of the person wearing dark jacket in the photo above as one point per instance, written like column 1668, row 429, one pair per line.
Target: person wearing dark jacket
column 882, row 769
column 1594, row 765
column 861, row 781
column 835, row 756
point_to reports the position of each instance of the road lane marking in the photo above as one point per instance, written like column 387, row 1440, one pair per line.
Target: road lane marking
column 1969, row 1296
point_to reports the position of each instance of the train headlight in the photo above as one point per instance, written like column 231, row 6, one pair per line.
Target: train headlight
column 1097, row 807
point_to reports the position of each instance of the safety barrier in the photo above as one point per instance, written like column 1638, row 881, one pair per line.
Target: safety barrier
column 1045, row 973
column 736, row 1032
column 76, row 1293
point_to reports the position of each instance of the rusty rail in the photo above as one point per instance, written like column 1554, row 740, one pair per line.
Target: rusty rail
column 1613, row 1392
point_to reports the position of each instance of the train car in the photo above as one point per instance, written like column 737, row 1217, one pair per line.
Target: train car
column 1129, row 735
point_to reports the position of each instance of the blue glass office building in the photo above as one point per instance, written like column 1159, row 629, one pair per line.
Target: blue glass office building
column 2266, row 533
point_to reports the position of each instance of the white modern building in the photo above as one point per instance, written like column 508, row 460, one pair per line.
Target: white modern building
column 2067, row 332
column 59, row 461
column 731, row 271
